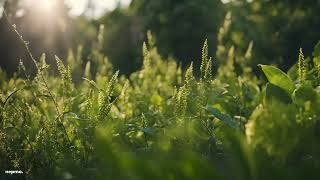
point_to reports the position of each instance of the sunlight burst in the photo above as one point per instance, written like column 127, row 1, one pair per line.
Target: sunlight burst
column 46, row 5
column 43, row 6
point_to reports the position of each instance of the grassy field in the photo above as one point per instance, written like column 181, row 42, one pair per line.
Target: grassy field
column 162, row 122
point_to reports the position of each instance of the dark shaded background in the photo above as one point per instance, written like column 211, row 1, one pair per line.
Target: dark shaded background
column 277, row 28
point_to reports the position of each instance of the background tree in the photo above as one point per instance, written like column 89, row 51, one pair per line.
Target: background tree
column 180, row 27
column 278, row 28
column 123, row 37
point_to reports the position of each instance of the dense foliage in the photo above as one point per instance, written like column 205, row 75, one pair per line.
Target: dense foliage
column 162, row 122
column 277, row 28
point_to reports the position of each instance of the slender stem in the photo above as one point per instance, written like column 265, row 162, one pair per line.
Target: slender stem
column 39, row 70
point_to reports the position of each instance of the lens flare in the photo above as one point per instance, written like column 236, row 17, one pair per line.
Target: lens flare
column 43, row 6
column 46, row 5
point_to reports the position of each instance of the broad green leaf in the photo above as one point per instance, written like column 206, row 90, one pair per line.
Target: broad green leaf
column 275, row 94
column 304, row 93
column 278, row 78
column 224, row 117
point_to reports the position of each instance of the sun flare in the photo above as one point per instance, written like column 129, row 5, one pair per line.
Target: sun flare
column 46, row 5
column 43, row 6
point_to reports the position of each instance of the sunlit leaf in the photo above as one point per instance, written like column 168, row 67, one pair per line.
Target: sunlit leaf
column 278, row 78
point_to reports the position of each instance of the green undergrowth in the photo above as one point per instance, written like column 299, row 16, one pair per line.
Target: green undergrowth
column 162, row 122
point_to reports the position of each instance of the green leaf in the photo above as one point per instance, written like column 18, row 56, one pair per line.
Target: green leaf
column 278, row 78
column 316, row 52
column 275, row 94
column 304, row 93
column 224, row 117
column 149, row 131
